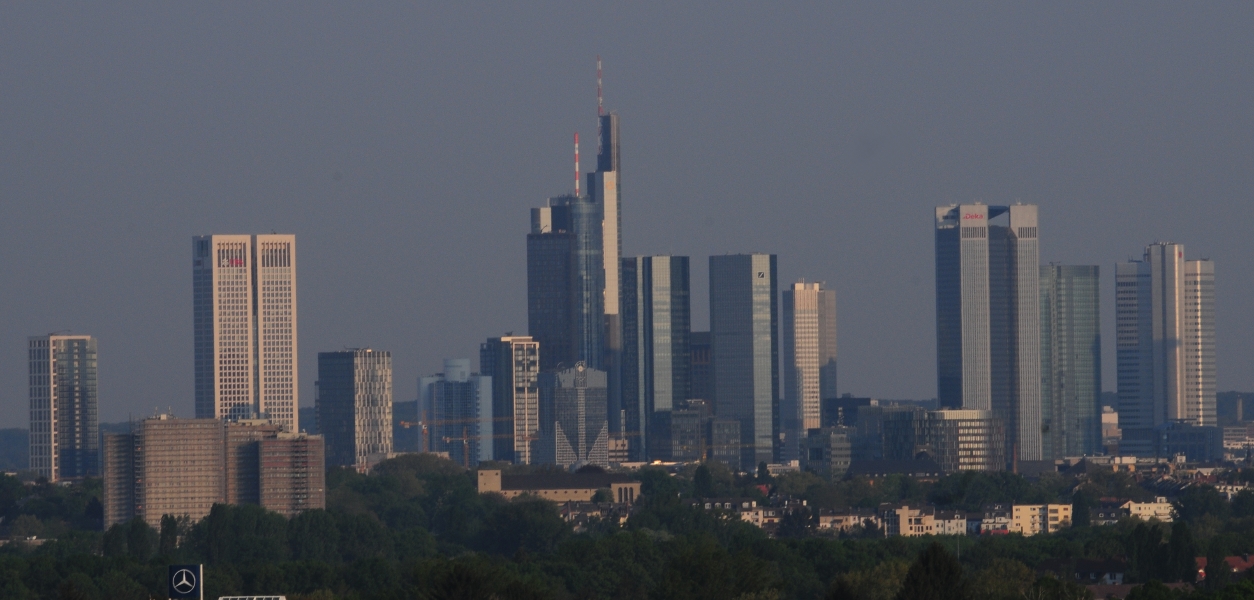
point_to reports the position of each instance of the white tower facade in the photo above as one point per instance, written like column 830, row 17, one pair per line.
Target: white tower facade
column 809, row 359
column 244, row 289
column 64, row 429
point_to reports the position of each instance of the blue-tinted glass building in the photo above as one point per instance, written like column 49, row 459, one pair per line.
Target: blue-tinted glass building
column 1071, row 361
column 744, row 336
column 656, row 319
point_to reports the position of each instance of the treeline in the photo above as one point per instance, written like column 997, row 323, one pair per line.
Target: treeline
column 417, row 528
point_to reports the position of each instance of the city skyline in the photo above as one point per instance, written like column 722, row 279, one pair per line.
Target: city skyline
column 692, row 186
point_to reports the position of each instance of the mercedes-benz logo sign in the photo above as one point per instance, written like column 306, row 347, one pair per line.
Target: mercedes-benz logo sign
column 184, row 581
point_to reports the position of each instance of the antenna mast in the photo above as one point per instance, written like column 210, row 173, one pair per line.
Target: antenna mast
column 600, row 106
column 576, row 164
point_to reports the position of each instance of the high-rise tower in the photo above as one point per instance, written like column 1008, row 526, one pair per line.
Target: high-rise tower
column 744, row 326
column 1165, row 343
column 655, row 358
column 1071, row 361
column 513, row 363
column 64, row 426
column 354, row 406
column 244, row 304
column 809, row 360
column 988, row 324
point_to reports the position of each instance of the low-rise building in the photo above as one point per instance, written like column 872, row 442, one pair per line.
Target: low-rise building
column 1159, row 509
column 907, row 521
column 1107, row 514
column 847, row 520
column 581, row 514
column 996, row 519
column 950, row 522
column 560, row 487
column 1236, row 565
column 1033, row 519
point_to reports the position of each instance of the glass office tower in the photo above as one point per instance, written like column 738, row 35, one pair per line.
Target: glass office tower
column 354, row 406
column 566, row 282
column 573, row 427
column 744, row 326
column 656, row 319
column 64, row 426
column 513, row 363
column 1165, row 344
column 988, row 323
column 455, row 407
column 1071, row 361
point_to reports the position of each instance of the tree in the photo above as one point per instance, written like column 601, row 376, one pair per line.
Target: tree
column 527, row 524
column 702, row 482
column 1154, row 590
column 1243, row 504
column 27, row 526
column 935, row 575
column 141, row 540
column 169, row 536
column 1003, row 578
column 1182, row 553
column 1218, row 573
column 1200, row 500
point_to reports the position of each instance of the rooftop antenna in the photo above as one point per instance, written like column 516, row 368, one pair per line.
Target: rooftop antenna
column 576, row 164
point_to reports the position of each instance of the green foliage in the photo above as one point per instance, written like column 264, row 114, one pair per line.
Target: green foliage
column 935, row 575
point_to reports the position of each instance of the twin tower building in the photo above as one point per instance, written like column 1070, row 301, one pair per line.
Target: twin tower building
column 1021, row 341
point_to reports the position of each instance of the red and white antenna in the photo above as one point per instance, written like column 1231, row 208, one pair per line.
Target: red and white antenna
column 600, row 106
column 576, row 164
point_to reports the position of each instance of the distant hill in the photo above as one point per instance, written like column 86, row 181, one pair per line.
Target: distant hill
column 14, row 449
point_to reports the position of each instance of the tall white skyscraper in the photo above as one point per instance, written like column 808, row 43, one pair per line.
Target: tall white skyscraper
column 64, row 430
column 809, row 360
column 244, row 289
column 1165, row 340
column 988, row 324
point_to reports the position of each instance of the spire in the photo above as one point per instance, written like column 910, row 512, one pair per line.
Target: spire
column 600, row 106
column 576, row 164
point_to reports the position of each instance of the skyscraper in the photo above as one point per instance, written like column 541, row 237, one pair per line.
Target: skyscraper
column 244, row 302
column 64, row 427
column 574, row 430
column 656, row 319
column 988, row 323
column 354, row 406
column 604, row 188
column 1165, row 344
column 1071, row 361
column 809, row 360
column 744, row 326
column 566, row 281
column 456, row 407
column 513, row 363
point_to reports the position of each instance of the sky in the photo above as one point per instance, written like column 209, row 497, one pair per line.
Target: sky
column 403, row 144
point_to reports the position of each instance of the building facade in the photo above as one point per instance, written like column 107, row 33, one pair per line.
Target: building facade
column 828, row 451
column 513, row 363
column 292, row 473
column 244, row 305
column 574, row 429
column 354, row 406
column 744, row 336
column 64, row 424
column 604, row 189
column 988, row 323
column 566, row 282
column 656, row 319
column 1071, row 361
column 456, row 410
column 1165, row 344
column 809, row 360
column 176, row 467
column 182, row 467
column 958, row 440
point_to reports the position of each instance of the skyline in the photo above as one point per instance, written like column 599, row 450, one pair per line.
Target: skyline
column 112, row 184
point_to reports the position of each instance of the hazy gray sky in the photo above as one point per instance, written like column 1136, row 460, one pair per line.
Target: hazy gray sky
column 403, row 144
